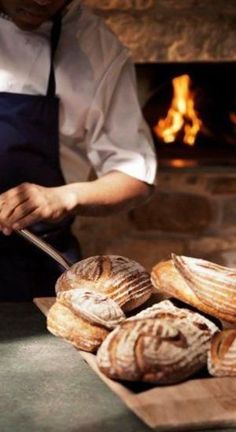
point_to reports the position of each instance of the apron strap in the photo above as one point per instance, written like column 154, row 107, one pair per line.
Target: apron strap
column 55, row 37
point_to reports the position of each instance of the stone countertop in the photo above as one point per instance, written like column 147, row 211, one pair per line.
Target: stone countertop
column 47, row 387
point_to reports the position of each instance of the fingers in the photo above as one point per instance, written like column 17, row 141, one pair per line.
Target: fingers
column 28, row 203
column 5, row 230
column 21, row 218
column 11, row 199
column 14, row 210
column 16, row 205
column 28, row 219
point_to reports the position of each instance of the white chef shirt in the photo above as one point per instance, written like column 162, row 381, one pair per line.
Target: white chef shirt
column 100, row 119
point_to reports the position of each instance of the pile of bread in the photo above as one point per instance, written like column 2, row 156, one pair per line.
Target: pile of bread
column 162, row 344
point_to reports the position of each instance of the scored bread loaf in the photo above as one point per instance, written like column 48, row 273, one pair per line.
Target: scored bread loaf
column 120, row 278
column 162, row 345
column 167, row 310
column 222, row 354
column 84, row 318
column 209, row 287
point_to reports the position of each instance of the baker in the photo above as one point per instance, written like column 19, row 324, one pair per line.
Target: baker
column 67, row 101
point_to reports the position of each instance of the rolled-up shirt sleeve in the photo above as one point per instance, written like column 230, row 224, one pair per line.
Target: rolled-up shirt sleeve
column 118, row 138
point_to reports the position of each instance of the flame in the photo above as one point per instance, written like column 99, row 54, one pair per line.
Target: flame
column 181, row 115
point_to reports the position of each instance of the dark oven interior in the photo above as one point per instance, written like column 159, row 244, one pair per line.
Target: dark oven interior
column 191, row 109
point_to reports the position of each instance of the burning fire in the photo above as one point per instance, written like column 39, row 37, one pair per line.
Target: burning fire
column 181, row 116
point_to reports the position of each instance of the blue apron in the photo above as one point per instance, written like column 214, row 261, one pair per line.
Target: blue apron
column 29, row 152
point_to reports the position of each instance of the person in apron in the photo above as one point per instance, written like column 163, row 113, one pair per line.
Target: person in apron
column 29, row 152
column 95, row 78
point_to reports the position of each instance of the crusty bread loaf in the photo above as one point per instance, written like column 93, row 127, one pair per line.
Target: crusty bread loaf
column 122, row 279
column 222, row 354
column 207, row 286
column 162, row 344
column 168, row 311
column 83, row 318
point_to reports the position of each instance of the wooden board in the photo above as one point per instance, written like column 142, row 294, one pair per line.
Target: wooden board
column 195, row 404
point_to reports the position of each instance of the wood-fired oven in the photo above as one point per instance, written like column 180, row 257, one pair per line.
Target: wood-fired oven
column 189, row 43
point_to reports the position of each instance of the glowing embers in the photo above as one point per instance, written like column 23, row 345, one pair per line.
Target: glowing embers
column 182, row 118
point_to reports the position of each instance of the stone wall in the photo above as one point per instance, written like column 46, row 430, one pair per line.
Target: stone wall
column 172, row 30
column 192, row 213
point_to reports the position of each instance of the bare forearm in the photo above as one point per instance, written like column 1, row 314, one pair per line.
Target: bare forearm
column 28, row 203
column 109, row 194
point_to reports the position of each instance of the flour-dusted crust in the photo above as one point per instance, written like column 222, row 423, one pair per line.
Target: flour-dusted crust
column 222, row 354
column 94, row 307
column 120, row 278
column 91, row 298
column 209, row 287
column 162, row 345
column 166, row 310
column 62, row 322
column 83, row 318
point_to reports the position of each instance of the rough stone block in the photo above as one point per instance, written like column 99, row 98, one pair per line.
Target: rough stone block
column 94, row 234
column 147, row 250
column 223, row 186
column 172, row 30
column 174, row 212
column 228, row 258
column 206, row 246
column 229, row 213
column 121, row 4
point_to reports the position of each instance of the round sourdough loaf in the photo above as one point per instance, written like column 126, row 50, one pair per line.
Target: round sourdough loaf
column 162, row 345
column 120, row 278
column 84, row 318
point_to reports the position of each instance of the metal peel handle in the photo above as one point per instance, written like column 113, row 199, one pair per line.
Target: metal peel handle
column 45, row 247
